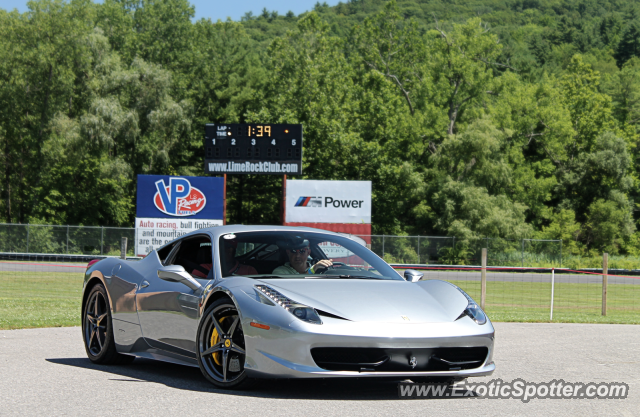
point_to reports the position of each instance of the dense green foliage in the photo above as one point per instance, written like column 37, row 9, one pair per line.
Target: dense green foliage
column 510, row 118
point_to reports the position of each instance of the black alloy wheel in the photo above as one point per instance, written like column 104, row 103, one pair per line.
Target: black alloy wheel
column 97, row 329
column 221, row 348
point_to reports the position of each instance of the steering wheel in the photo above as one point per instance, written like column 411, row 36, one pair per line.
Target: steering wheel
column 340, row 265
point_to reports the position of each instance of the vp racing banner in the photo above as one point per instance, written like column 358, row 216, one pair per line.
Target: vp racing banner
column 169, row 207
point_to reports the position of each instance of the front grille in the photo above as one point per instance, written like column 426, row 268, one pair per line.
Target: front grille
column 399, row 359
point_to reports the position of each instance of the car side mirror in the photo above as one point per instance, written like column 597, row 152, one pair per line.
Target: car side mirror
column 412, row 275
column 177, row 273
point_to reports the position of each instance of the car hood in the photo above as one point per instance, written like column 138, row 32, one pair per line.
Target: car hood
column 430, row 301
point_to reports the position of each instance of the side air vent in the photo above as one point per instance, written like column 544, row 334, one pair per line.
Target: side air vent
column 333, row 316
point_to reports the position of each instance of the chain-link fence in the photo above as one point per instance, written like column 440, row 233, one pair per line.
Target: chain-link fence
column 41, row 270
column 91, row 240
column 80, row 240
column 432, row 250
column 526, row 294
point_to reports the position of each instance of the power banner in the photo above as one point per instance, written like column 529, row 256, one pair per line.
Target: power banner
column 340, row 206
column 169, row 207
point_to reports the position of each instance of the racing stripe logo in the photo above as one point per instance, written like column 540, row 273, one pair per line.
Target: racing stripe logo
column 305, row 201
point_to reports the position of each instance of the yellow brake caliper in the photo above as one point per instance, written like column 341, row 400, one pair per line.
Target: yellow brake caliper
column 215, row 338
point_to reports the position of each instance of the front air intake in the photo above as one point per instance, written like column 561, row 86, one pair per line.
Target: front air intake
column 399, row 359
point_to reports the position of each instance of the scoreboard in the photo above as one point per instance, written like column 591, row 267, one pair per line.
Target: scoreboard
column 232, row 148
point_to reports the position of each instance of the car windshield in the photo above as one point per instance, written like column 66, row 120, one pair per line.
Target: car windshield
column 309, row 255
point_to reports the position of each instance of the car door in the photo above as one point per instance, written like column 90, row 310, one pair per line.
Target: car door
column 169, row 298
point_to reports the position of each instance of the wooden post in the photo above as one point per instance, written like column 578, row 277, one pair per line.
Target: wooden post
column 283, row 209
column 224, row 201
column 605, row 278
column 483, row 279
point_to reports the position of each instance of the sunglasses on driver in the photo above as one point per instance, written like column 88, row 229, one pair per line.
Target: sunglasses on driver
column 301, row 250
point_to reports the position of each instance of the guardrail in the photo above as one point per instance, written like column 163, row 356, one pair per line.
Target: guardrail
column 53, row 257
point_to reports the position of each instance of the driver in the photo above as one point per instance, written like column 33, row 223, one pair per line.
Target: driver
column 298, row 250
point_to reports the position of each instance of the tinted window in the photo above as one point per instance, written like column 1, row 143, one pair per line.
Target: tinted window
column 164, row 252
column 300, row 255
column 195, row 256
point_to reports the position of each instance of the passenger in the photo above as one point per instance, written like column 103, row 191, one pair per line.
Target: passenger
column 232, row 265
column 298, row 250
column 204, row 260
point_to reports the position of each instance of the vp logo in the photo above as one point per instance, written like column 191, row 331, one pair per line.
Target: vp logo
column 179, row 198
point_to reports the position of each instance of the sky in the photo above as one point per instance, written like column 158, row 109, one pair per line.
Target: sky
column 219, row 9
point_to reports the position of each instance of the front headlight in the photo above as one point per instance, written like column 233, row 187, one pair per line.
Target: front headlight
column 473, row 310
column 300, row 311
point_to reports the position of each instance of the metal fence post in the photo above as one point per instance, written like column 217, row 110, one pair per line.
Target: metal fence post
column 560, row 253
column 102, row 240
column 553, row 279
column 419, row 261
column 28, row 237
column 123, row 248
column 483, row 279
column 67, row 239
column 523, row 253
column 605, row 279
column 382, row 246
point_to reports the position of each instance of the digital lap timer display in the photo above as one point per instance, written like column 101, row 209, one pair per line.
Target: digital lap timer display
column 232, row 148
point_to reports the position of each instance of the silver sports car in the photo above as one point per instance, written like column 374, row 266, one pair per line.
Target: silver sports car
column 249, row 302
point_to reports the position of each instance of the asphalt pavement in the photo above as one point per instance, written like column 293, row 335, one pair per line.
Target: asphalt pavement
column 46, row 372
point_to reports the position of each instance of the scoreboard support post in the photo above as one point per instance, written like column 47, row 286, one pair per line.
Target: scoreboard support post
column 224, row 201
column 283, row 209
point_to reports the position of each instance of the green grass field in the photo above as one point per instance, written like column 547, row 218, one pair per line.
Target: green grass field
column 29, row 299
column 573, row 302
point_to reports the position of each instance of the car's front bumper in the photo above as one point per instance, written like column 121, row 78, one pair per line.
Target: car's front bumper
column 285, row 352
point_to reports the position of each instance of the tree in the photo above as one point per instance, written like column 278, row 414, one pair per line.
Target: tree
column 609, row 224
column 624, row 89
column 595, row 175
column 130, row 125
column 590, row 110
column 462, row 68
column 394, row 49
column 563, row 226
column 476, row 156
column 470, row 212
column 43, row 52
column 629, row 45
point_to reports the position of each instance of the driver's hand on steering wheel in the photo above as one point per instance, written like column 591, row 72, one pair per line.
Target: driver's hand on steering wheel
column 322, row 265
